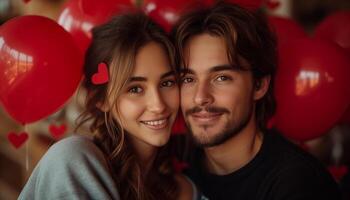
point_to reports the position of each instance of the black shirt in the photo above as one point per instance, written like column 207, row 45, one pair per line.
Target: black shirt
column 279, row 171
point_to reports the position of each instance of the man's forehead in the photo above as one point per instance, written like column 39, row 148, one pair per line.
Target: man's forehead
column 205, row 51
column 206, row 41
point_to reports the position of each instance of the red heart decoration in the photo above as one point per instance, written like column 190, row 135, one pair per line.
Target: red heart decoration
column 17, row 140
column 179, row 125
column 338, row 171
column 179, row 165
column 273, row 4
column 57, row 131
column 26, row 1
column 101, row 76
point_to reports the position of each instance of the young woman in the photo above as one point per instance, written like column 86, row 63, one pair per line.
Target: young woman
column 131, row 115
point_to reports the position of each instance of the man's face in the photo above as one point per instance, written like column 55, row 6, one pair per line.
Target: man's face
column 217, row 100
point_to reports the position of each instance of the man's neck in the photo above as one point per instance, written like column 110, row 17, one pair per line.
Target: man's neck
column 236, row 152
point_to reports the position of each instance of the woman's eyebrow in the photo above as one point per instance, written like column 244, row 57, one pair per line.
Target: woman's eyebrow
column 137, row 79
column 144, row 79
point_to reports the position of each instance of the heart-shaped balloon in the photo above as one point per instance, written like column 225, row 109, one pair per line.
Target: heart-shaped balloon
column 312, row 87
column 285, row 29
column 166, row 13
column 40, row 67
column 336, row 28
column 78, row 17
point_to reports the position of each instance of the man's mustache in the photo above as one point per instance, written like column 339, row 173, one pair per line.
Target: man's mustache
column 210, row 109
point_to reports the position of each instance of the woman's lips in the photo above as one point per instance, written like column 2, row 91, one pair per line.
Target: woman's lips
column 156, row 124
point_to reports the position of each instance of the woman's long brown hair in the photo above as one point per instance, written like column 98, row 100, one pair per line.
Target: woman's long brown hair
column 116, row 44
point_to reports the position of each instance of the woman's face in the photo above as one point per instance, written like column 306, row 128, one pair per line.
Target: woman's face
column 149, row 103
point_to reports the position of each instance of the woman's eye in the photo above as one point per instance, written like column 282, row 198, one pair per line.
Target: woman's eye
column 135, row 90
column 223, row 78
column 168, row 83
column 187, row 80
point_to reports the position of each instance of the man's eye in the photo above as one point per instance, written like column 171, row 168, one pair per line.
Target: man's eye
column 168, row 83
column 135, row 90
column 187, row 80
column 223, row 78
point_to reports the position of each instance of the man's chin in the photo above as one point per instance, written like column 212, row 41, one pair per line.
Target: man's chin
column 206, row 139
column 211, row 136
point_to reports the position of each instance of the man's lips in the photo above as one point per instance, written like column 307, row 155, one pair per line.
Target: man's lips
column 205, row 117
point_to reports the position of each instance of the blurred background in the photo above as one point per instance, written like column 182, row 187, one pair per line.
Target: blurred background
column 312, row 85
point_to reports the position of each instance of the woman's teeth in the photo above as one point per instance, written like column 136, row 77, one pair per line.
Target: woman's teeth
column 155, row 123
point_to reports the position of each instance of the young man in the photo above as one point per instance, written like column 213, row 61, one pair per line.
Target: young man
column 227, row 59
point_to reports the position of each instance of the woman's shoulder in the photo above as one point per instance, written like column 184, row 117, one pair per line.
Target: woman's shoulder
column 186, row 188
column 72, row 143
column 74, row 147
column 72, row 168
column 71, row 152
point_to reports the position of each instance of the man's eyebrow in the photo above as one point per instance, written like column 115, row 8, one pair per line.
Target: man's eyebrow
column 186, row 71
column 222, row 68
column 169, row 73
column 212, row 69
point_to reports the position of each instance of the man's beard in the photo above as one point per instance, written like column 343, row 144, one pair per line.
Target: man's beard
column 231, row 128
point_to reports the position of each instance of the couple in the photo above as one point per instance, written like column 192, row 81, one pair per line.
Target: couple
column 220, row 70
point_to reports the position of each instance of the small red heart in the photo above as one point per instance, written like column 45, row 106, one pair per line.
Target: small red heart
column 179, row 166
column 57, row 131
column 26, row 1
column 273, row 4
column 338, row 171
column 101, row 76
column 17, row 140
column 179, row 125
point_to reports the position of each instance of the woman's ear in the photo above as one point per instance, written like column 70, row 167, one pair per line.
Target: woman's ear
column 261, row 87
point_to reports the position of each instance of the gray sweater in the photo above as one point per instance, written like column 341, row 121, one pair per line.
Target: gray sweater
column 73, row 168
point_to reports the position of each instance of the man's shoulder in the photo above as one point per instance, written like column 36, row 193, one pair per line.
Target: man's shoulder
column 293, row 170
column 287, row 151
column 287, row 156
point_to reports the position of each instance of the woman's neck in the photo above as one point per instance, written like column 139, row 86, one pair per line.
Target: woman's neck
column 145, row 154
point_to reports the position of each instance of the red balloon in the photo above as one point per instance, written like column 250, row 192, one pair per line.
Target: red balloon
column 336, row 28
column 78, row 17
column 40, row 67
column 286, row 29
column 250, row 4
column 312, row 88
column 207, row 3
column 346, row 116
column 166, row 13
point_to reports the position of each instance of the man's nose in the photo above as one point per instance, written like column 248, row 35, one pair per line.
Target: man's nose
column 203, row 96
